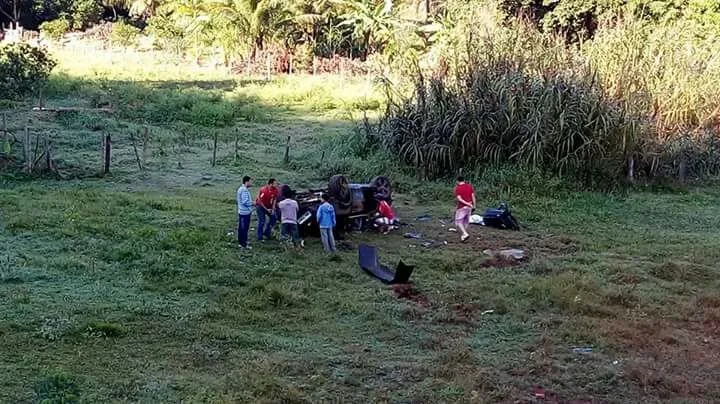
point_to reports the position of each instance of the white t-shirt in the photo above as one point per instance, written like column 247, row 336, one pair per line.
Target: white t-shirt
column 288, row 211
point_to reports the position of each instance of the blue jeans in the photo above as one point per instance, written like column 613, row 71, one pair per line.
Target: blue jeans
column 290, row 231
column 263, row 229
column 328, row 239
column 243, row 229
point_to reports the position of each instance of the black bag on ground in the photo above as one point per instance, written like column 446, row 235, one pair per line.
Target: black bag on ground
column 500, row 218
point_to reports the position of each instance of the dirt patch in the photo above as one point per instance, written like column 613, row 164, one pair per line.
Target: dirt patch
column 408, row 291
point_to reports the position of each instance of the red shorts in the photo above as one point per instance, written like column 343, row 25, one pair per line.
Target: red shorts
column 462, row 215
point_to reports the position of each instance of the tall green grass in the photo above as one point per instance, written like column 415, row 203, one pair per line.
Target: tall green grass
column 638, row 99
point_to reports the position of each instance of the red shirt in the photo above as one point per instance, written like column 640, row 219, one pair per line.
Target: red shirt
column 267, row 196
column 385, row 210
column 465, row 191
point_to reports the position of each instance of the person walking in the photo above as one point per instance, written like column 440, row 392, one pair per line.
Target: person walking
column 465, row 198
column 245, row 206
column 288, row 220
column 326, row 222
column 266, row 206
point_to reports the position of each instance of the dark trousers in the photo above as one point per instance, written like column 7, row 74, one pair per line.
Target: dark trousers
column 290, row 231
column 263, row 229
column 243, row 229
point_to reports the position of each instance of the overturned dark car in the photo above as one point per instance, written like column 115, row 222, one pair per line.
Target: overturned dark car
column 355, row 204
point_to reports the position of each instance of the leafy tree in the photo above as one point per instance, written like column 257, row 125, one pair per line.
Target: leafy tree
column 86, row 13
column 55, row 29
column 23, row 69
column 373, row 23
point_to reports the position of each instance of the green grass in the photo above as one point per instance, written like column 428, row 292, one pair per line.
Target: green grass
column 129, row 288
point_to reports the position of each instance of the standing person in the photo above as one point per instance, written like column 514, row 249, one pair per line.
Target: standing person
column 245, row 206
column 465, row 196
column 266, row 206
column 288, row 220
column 326, row 222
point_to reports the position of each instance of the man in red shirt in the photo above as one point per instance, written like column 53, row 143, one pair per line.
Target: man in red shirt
column 266, row 205
column 465, row 197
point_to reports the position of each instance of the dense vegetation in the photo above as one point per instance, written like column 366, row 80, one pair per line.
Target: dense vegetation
column 636, row 99
column 605, row 89
column 23, row 69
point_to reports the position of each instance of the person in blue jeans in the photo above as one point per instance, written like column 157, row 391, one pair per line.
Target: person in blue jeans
column 245, row 208
column 326, row 222
column 266, row 206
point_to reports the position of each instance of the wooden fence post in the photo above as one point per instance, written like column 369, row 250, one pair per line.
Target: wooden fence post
column 146, row 144
column 286, row 159
column 682, row 170
column 107, row 154
column 137, row 156
column 26, row 151
column 6, row 135
column 214, row 149
column 267, row 63
column 237, row 140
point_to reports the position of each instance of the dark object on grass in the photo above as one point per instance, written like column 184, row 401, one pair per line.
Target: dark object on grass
column 413, row 235
column 424, row 218
column 500, row 218
column 353, row 203
column 370, row 263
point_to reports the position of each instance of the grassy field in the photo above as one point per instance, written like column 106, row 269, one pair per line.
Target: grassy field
column 129, row 288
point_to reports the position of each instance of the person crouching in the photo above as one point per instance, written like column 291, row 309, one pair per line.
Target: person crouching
column 385, row 219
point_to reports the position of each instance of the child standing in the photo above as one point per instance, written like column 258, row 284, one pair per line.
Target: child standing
column 326, row 222
column 288, row 220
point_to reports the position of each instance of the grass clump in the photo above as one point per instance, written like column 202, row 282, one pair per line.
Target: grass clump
column 102, row 329
column 57, row 387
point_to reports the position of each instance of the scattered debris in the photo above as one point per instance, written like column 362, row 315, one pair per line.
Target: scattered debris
column 424, row 218
column 369, row 262
column 500, row 218
column 513, row 253
column 538, row 392
column 477, row 219
column 507, row 254
column 487, row 312
column 413, row 235
column 585, row 350
column 452, row 229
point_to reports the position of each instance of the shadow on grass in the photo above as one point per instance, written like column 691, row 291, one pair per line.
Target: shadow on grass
column 209, row 104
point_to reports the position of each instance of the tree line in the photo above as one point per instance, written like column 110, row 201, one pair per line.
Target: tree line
column 351, row 28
